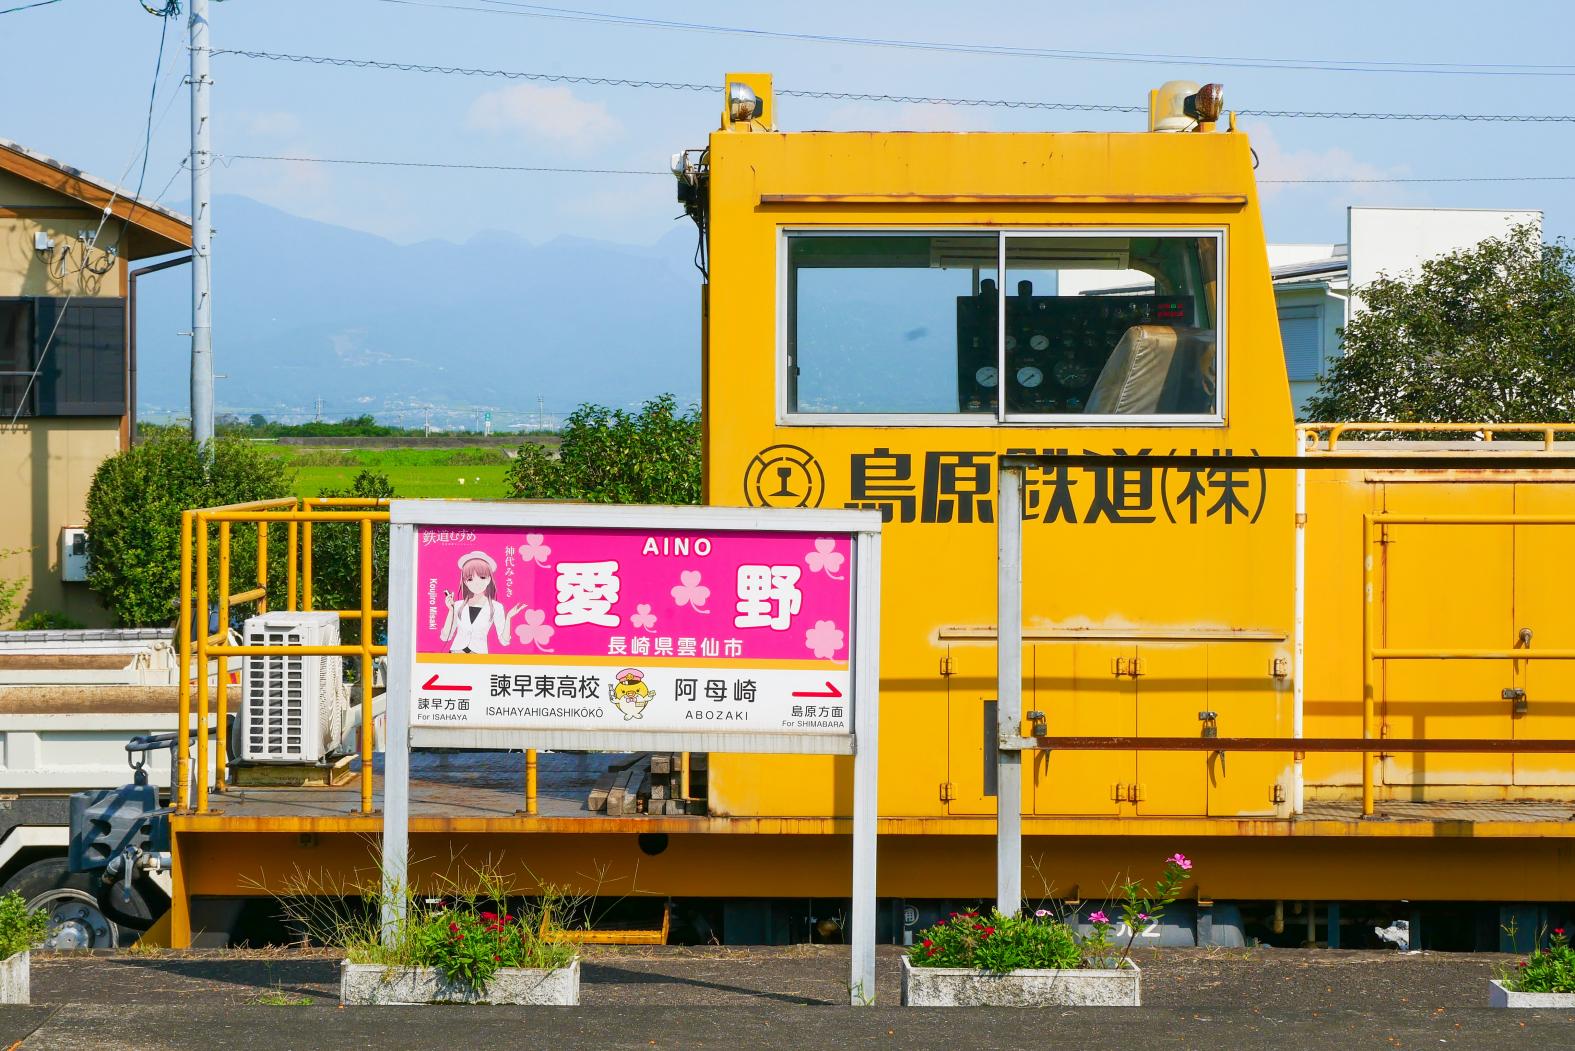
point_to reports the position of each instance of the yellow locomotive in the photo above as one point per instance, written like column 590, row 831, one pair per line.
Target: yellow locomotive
column 886, row 315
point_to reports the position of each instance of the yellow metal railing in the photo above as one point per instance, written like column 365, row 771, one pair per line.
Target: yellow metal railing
column 1488, row 431
column 1372, row 653
column 298, row 517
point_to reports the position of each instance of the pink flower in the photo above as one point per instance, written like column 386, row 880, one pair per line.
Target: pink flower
column 825, row 558
column 825, row 639
column 1180, row 861
column 690, row 592
column 1041, row 913
column 642, row 617
column 1143, row 916
column 535, row 631
column 1098, row 916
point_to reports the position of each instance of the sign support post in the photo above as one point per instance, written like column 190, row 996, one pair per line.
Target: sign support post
column 1009, row 694
column 449, row 690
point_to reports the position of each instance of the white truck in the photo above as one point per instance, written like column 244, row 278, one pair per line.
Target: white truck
column 70, row 702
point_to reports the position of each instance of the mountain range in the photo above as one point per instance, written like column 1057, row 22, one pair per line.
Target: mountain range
column 315, row 319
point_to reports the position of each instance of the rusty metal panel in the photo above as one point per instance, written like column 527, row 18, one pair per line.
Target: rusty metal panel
column 1446, row 587
column 1079, row 691
column 1544, row 608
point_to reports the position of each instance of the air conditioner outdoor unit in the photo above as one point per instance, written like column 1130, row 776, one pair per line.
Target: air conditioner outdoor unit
column 294, row 708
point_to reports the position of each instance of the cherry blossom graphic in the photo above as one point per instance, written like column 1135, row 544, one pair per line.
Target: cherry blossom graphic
column 825, row 638
column 690, row 592
column 644, row 618
column 535, row 631
column 535, row 549
column 825, row 558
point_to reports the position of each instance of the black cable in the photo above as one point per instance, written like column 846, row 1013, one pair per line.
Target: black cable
column 526, row 10
column 227, row 158
column 28, row 7
column 866, row 96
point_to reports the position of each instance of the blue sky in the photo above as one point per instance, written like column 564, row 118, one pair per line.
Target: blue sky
column 77, row 73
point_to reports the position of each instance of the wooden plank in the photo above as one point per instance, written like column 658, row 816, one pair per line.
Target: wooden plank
column 292, row 775
column 631, row 796
column 620, row 787
column 596, row 802
column 661, row 763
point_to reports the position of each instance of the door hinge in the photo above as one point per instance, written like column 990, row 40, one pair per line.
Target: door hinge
column 946, row 792
column 1134, row 793
column 1118, row 793
column 1127, row 667
column 1278, row 794
column 947, row 668
column 1280, row 667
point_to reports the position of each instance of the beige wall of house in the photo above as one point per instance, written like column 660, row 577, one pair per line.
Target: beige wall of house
column 27, row 209
column 46, row 467
column 47, row 463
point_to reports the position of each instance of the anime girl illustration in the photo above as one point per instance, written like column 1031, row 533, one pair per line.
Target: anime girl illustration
column 477, row 610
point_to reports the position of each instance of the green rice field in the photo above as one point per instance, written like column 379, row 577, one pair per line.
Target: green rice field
column 475, row 473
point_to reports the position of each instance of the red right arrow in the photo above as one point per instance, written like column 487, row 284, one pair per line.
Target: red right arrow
column 432, row 684
column 830, row 691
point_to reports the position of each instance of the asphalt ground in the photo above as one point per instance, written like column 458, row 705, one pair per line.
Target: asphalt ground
column 788, row 997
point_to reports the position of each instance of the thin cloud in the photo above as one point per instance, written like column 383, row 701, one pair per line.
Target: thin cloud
column 550, row 114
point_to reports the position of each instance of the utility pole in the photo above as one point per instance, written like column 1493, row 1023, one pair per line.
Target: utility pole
column 201, row 231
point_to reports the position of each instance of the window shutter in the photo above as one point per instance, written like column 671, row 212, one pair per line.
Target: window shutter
column 1301, row 330
column 84, row 373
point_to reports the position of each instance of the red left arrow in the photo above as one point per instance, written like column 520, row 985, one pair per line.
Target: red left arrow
column 432, row 684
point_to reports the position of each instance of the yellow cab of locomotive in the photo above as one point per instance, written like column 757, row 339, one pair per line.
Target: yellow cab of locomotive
column 887, row 313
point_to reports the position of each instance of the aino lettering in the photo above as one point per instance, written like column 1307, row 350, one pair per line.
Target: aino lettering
column 958, row 486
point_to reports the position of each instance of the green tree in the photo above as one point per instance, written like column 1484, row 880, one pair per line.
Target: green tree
column 616, row 457
column 1485, row 334
column 134, row 510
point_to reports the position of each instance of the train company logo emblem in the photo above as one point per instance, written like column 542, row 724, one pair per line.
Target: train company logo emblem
column 630, row 694
column 784, row 476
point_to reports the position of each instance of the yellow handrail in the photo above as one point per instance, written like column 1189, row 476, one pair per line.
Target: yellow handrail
column 1488, row 431
column 201, row 648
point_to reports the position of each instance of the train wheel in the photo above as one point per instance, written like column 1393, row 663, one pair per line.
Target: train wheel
column 71, row 900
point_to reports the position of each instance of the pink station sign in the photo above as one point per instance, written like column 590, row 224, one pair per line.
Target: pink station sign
column 595, row 628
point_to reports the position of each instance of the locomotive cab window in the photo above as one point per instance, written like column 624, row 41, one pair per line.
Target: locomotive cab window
column 1098, row 327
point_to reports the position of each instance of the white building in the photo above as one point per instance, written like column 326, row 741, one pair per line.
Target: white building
column 1313, row 282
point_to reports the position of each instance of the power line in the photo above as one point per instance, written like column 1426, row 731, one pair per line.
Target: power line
column 153, row 94
column 525, row 10
column 28, row 7
column 864, row 96
column 225, row 159
column 1458, row 178
column 452, row 165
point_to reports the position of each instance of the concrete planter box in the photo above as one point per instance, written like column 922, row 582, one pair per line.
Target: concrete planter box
column 16, row 979
column 965, row 987
column 1498, row 996
column 373, row 983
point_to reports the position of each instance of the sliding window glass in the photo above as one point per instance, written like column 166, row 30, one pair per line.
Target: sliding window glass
column 887, row 324
column 1111, row 325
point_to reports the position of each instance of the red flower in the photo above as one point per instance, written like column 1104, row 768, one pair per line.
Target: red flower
column 988, row 931
column 927, row 943
column 1559, row 931
column 453, row 928
column 490, row 917
column 931, row 952
column 953, row 915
